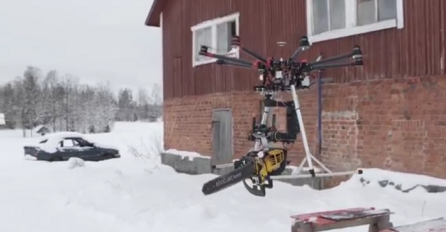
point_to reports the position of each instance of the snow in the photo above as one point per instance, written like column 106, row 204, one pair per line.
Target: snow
column 439, row 224
column 406, row 180
column 101, row 144
column 186, row 154
column 75, row 162
column 37, row 128
column 136, row 193
column 296, row 170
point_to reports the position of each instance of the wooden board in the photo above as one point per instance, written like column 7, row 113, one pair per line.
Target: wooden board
column 331, row 217
column 344, row 218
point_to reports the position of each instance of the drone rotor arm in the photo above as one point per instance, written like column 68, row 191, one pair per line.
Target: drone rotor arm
column 254, row 55
column 356, row 55
column 296, row 53
column 234, row 64
column 204, row 52
column 334, row 65
column 235, row 42
column 332, row 59
column 304, row 44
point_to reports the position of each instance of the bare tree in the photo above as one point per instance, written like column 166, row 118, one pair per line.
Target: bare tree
column 156, row 95
column 31, row 91
column 62, row 103
column 106, row 107
column 7, row 104
column 143, row 96
column 126, row 105
column 55, row 93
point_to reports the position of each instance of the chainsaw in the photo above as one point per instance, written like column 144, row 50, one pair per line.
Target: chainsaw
column 254, row 170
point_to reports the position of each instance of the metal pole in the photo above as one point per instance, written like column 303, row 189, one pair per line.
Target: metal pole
column 263, row 142
column 303, row 176
column 302, row 129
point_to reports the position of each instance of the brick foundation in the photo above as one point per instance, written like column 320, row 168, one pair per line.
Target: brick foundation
column 392, row 124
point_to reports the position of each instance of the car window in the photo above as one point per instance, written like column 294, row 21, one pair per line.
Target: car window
column 83, row 142
column 68, row 143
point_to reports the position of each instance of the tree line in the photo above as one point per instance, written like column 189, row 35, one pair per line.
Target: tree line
column 61, row 103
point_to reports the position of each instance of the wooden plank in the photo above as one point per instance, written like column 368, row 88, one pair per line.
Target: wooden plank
column 378, row 219
column 338, row 219
column 352, row 215
column 305, row 217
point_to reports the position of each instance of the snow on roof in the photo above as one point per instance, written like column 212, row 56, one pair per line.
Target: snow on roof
column 58, row 136
column 50, row 142
column 37, row 128
column 2, row 119
column 186, row 154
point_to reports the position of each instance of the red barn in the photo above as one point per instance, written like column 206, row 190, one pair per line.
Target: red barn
column 387, row 114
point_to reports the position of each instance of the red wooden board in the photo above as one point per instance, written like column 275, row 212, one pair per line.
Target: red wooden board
column 331, row 217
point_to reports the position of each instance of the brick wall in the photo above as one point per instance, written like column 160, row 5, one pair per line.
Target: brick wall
column 393, row 124
column 188, row 121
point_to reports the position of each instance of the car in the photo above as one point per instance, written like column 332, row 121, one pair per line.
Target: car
column 62, row 146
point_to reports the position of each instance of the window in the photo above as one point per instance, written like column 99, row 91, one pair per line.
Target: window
column 373, row 11
column 331, row 19
column 83, row 143
column 217, row 35
column 68, row 143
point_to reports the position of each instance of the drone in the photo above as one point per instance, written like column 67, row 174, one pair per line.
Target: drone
column 262, row 163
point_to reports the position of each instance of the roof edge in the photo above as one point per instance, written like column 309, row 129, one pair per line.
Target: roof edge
column 153, row 18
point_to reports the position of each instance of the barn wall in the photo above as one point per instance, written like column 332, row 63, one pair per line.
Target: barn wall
column 188, row 121
column 386, row 114
column 416, row 50
column 392, row 124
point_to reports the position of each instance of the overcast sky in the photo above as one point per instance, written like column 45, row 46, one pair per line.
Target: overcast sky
column 96, row 40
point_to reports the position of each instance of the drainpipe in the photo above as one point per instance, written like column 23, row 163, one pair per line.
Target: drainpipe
column 319, row 108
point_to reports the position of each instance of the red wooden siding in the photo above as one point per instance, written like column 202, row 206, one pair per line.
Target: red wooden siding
column 416, row 50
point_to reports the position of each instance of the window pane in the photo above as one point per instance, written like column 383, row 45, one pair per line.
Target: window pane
column 320, row 16
column 207, row 40
column 366, row 12
column 198, row 42
column 337, row 14
column 224, row 37
column 202, row 37
column 386, row 9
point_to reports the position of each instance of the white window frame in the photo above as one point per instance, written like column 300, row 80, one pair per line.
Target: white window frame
column 213, row 24
column 351, row 28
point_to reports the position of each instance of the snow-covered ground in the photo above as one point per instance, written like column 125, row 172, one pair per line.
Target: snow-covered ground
column 136, row 193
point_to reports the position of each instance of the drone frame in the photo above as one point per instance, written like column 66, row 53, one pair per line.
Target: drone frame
column 303, row 69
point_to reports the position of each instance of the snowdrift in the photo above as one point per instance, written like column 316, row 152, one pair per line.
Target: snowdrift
column 137, row 193
column 400, row 181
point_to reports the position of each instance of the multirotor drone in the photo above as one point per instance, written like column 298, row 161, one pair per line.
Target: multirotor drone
column 263, row 163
